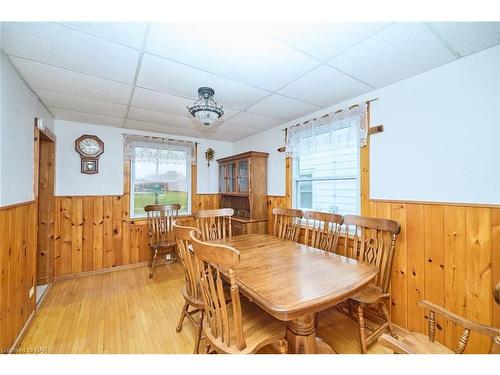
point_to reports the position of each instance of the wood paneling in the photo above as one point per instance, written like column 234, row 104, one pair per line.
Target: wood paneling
column 95, row 232
column 17, row 269
column 448, row 254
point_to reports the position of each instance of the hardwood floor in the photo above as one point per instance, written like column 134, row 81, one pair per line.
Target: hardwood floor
column 127, row 312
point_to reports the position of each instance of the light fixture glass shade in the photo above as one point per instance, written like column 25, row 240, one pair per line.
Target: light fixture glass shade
column 205, row 109
column 206, row 117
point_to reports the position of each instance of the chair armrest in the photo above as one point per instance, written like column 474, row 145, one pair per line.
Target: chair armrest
column 394, row 344
column 466, row 323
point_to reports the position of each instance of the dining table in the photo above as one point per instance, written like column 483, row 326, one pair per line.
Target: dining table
column 293, row 282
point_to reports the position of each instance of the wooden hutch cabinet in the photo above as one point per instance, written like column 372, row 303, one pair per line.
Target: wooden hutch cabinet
column 243, row 187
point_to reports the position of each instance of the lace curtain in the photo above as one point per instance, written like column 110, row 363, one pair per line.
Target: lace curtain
column 317, row 135
column 146, row 148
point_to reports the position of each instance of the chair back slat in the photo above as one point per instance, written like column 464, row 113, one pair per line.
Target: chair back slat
column 374, row 242
column 322, row 230
column 286, row 223
column 186, row 256
column 160, row 223
column 223, row 320
column 214, row 224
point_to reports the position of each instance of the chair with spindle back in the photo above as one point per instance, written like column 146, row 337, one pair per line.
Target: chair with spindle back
column 191, row 291
column 373, row 241
column 240, row 327
column 322, row 230
column 161, row 237
column 214, row 224
column 417, row 343
column 286, row 223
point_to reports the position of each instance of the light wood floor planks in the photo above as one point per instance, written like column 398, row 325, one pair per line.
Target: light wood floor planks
column 126, row 312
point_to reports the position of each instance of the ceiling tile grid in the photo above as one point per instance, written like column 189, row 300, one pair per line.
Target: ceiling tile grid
column 143, row 76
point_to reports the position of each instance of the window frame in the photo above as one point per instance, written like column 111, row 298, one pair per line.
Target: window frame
column 295, row 198
column 189, row 192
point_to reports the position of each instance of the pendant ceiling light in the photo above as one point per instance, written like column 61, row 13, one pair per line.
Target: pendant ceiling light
column 205, row 109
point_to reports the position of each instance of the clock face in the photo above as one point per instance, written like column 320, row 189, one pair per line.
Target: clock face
column 89, row 146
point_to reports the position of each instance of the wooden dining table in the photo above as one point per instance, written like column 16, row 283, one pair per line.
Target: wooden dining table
column 293, row 282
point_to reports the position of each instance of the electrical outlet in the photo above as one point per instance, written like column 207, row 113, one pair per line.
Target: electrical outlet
column 32, row 291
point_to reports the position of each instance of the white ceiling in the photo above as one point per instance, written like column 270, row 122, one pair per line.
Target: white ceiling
column 142, row 76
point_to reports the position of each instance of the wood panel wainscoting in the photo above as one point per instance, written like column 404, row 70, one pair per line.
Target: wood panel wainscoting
column 17, row 269
column 448, row 254
column 95, row 232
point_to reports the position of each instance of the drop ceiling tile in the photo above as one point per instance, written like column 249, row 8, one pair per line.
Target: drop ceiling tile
column 161, row 102
column 226, row 128
column 323, row 40
column 163, row 118
column 254, row 121
column 397, row 52
column 177, row 79
column 47, row 77
column 89, row 118
column 221, row 136
column 325, row 86
column 81, row 104
column 165, row 129
column 239, row 52
column 59, row 46
column 466, row 38
column 282, row 107
column 127, row 33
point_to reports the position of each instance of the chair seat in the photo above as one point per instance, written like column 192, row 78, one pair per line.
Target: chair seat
column 420, row 344
column 198, row 302
column 369, row 295
column 195, row 302
column 260, row 329
column 162, row 245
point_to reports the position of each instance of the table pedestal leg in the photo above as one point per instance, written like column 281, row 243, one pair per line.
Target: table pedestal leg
column 301, row 335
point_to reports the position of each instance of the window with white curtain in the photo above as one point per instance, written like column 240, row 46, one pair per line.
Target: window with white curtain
column 326, row 162
column 160, row 172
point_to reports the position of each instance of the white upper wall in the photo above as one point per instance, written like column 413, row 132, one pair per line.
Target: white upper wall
column 109, row 181
column 441, row 139
column 18, row 107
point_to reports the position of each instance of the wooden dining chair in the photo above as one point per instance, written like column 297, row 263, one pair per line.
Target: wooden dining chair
column 214, row 224
column 373, row 241
column 286, row 223
column 322, row 230
column 160, row 234
column 240, row 327
column 191, row 291
column 417, row 343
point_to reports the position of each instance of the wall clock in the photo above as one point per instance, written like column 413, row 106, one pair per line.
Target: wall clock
column 90, row 147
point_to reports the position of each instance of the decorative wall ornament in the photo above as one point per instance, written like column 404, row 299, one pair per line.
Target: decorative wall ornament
column 209, row 155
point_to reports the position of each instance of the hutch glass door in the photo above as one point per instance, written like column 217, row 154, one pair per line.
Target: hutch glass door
column 231, row 177
column 243, row 176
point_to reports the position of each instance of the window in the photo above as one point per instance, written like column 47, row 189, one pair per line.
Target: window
column 326, row 167
column 160, row 174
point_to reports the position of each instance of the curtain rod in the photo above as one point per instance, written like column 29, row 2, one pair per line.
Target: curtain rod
column 367, row 102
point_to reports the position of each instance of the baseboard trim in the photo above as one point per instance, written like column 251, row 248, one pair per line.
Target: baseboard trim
column 22, row 333
column 101, row 271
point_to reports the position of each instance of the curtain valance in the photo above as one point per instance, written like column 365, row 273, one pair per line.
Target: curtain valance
column 147, row 148
column 317, row 134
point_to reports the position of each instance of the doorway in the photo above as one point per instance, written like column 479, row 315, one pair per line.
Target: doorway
column 46, row 214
